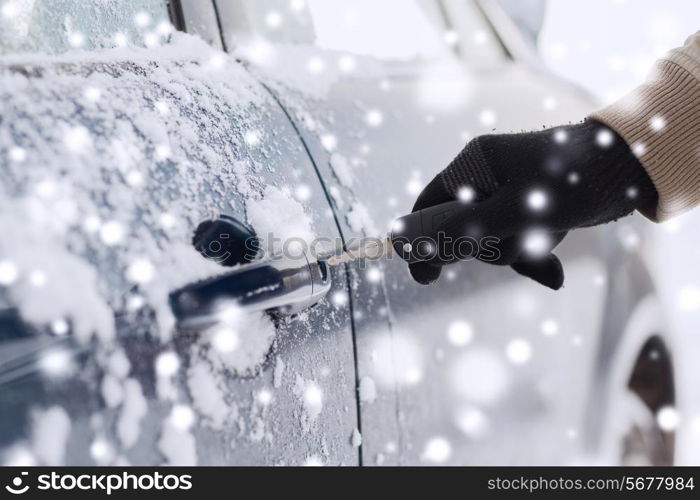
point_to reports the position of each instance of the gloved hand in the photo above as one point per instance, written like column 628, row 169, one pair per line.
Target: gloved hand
column 530, row 189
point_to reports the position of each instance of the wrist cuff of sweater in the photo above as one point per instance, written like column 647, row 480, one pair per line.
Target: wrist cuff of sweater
column 659, row 121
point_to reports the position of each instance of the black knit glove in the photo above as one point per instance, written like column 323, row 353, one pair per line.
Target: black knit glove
column 530, row 189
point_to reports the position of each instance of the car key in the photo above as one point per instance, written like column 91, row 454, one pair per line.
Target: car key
column 405, row 232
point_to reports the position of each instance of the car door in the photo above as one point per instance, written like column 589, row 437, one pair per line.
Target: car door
column 462, row 371
column 115, row 147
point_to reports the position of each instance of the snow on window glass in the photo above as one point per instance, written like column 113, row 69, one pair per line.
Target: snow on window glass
column 54, row 26
column 80, row 192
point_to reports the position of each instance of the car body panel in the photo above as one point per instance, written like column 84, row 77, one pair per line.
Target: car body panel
column 174, row 131
column 473, row 370
column 376, row 137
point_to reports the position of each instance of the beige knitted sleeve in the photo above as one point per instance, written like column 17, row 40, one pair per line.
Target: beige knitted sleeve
column 660, row 120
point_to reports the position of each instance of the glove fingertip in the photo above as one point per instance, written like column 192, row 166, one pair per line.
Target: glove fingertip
column 424, row 273
column 547, row 271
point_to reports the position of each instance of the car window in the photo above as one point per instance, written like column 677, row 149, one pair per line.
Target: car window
column 391, row 30
column 54, row 26
column 471, row 34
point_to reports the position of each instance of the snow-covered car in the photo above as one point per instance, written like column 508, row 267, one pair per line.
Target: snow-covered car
column 139, row 142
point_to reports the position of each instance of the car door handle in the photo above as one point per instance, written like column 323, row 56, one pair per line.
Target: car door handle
column 284, row 285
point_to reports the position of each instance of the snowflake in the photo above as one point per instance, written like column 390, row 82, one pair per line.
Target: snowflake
column 302, row 192
column 329, row 142
column 604, row 138
column 252, row 137
column 92, row 94
column 340, row 299
column 46, row 188
column 38, row 278
column 167, row 364
column 59, row 327
column 414, row 187
column 182, row 417
column 8, row 272
column 142, row 19
column 140, row 271
column 91, row 224
column 9, row 9
column 466, row 194
column 549, row 103
column 162, row 152
column 374, row 275
column 225, row 340
column 313, row 398
column 120, row 39
column 549, row 327
column 451, row 38
column 134, row 178
column 56, row 362
column 101, row 451
column 668, row 418
column 537, row 243
column 639, row 148
column 460, row 333
column 518, row 351
column 315, row 65
column 150, row 40
column 264, row 397
column 216, row 61
column 487, row 117
column 167, row 221
column 471, row 421
column 135, row 302
column 437, row 450
column 657, row 123
column 17, row 154
column 273, row 19
column 76, row 139
column 560, row 136
column 537, row 200
column 164, row 28
column 374, row 118
column 347, row 64
column 76, row 39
